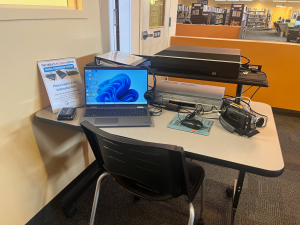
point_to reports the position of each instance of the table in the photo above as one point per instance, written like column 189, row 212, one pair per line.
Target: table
column 260, row 154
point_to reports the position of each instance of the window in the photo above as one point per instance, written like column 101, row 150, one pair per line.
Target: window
column 77, row 4
column 157, row 13
column 26, row 10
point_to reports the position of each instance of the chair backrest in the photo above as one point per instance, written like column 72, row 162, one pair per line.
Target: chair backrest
column 160, row 167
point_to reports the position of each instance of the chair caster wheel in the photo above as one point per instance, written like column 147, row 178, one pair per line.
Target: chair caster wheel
column 201, row 222
column 136, row 198
column 69, row 212
column 229, row 192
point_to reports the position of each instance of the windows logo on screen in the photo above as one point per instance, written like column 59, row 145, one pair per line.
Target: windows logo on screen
column 117, row 89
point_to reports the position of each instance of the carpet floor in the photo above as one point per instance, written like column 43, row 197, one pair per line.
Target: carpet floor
column 264, row 201
column 263, row 35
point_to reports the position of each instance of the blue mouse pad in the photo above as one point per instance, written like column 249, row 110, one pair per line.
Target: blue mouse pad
column 175, row 124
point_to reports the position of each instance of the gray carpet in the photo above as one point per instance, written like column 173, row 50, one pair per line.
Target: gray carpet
column 272, row 201
column 263, row 35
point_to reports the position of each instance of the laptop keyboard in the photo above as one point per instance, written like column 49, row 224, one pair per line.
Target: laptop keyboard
column 115, row 112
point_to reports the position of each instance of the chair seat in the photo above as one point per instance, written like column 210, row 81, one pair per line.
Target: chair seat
column 139, row 189
column 196, row 176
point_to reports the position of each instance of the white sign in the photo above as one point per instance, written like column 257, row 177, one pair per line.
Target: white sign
column 63, row 83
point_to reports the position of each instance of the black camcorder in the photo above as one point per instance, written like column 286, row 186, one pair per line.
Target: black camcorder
column 235, row 118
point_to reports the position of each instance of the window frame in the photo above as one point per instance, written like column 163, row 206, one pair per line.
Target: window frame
column 74, row 10
column 44, row 5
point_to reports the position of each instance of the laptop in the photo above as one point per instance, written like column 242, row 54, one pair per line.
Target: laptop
column 115, row 97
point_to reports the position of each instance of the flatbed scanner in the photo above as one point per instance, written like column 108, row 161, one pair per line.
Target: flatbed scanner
column 220, row 62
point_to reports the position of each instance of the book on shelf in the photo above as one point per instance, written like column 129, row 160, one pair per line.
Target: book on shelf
column 183, row 8
column 236, row 13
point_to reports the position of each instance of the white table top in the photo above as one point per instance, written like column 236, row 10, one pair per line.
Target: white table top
column 260, row 154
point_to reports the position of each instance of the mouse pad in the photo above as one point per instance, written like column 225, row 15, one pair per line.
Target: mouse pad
column 175, row 124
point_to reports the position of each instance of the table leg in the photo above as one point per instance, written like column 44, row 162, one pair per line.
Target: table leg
column 78, row 186
column 236, row 195
column 239, row 93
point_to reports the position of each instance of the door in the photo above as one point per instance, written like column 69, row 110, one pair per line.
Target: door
column 154, row 20
column 151, row 16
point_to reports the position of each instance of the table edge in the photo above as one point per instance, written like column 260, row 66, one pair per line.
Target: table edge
column 236, row 166
column 59, row 124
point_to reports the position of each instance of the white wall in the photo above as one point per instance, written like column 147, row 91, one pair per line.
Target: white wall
column 108, row 29
column 129, row 23
column 173, row 15
column 125, row 25
column 32, row 172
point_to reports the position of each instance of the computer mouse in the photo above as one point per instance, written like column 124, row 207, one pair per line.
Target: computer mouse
column 193, row 124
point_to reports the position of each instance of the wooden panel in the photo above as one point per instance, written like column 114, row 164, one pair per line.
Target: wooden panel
column 279, row 61
column 212, row 31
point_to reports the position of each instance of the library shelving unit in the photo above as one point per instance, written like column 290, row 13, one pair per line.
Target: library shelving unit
column 268, row 21
column 183, row 13
column 226, row 16
column 196, row 13
column 256, row 18
column 216, row 14
column 238, row 14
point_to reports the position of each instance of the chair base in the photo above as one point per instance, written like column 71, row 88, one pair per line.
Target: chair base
column 229, row 191
column 97, row 196
column 192, row 214
column 136, row 198
column 69, row 212
column 191, row 207
column 201, row 221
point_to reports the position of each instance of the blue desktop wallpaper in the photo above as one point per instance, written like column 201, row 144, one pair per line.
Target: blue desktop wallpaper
column 116, row 86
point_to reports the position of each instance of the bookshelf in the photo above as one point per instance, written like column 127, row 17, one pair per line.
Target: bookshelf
column 226, row 16
column 183, row 13
column 216, row 13
column 238, row 14
column 268, row 21
column 196, row 13
column 256, row 18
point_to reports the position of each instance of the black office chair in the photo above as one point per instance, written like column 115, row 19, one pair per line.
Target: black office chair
column 293, row 34
column 152, row 171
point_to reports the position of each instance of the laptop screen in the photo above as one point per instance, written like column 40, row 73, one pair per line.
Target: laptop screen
column 115, row 86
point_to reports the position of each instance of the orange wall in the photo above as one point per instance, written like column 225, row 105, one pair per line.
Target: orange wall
column 278, row 12
column 279, row 61
column 195, row 30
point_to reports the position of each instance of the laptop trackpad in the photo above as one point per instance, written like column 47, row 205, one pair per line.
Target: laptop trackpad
column 106, row 121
